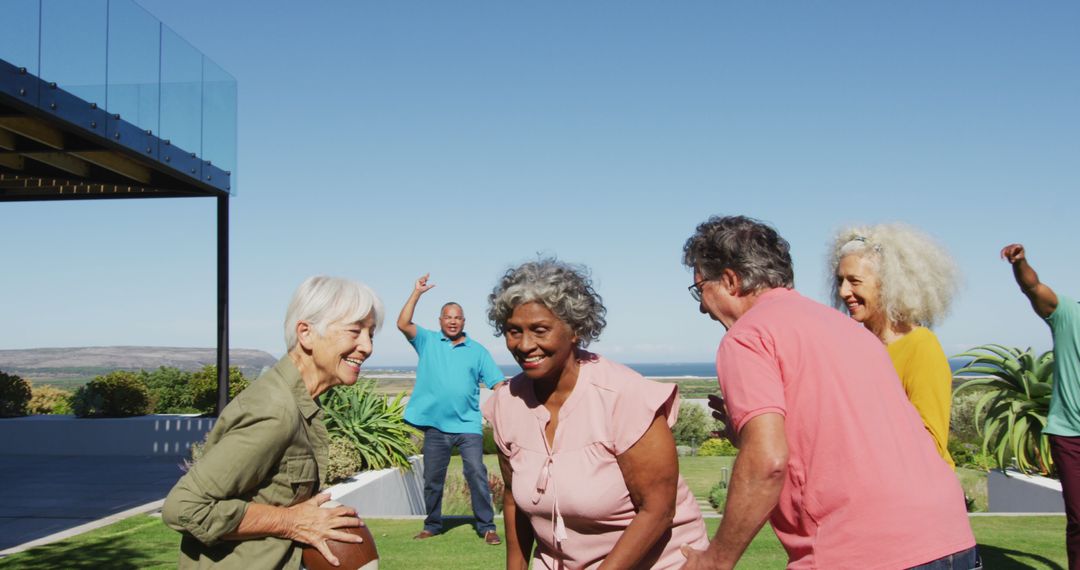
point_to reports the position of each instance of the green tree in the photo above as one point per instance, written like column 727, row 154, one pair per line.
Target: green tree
column 15, row 395
column 171, row 390
column 693, row 426
column 203, row 387
column 118, row 394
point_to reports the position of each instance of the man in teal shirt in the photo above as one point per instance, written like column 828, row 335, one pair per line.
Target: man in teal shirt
column 1063, row 423
column 445, row 404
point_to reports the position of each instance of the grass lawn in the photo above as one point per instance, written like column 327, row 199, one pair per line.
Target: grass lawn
column 143, row 542
column 701, row 473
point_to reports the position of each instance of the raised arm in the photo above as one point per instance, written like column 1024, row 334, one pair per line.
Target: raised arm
column 1043, row 299
column 404, row 320
column 756, row 481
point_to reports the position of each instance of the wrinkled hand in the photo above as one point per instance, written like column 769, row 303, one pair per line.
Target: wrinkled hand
column 314, row 524
column 421, row 285
column 697, row 559
column 720, row 413
column 1013, row 253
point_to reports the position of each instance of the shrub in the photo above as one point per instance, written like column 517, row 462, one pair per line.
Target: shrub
column 14, row 395
column 203, row 387
column 170, row 390
column 117, row 394
column 49, row 400
column 1012, row 410
column 457, row 497
column 344, row 461
column 962, row 425
column 717, row 447
column 371, row 422
column 693, row 425
column 489, row 441
column 718, row 496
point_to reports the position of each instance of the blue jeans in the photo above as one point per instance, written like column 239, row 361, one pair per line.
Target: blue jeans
column 963, row 560
column 437, row 445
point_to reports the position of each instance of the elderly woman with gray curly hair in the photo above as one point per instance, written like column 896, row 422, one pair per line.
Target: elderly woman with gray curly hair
column 585, row 444
column 898, row 282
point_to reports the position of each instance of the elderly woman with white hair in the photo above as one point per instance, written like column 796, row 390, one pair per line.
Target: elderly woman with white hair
column 585, row 444
column 252, row 498
column 898, row 282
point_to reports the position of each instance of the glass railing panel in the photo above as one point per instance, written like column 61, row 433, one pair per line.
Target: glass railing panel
column 219, row 119
column 19, row 43
column 73, row 47
column 181, row 92
column 133, row 71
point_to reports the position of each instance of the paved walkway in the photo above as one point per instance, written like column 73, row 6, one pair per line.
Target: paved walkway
column 41, row 495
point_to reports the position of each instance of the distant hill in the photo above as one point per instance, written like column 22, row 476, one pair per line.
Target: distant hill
column 69, row 367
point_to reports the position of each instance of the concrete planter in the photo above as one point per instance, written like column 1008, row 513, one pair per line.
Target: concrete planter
column 164, row 435
column 1011, row 491
column 387, row 492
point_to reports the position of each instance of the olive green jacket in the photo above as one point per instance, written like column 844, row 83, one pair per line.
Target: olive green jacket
column 269, row 446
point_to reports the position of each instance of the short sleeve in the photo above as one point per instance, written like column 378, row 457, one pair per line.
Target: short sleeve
column 749, row 377
column 490, row 411
column 490, row 374
column 421, row 339
column 637, row 406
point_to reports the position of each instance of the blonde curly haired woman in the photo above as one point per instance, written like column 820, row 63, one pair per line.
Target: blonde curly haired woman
column 898, row 282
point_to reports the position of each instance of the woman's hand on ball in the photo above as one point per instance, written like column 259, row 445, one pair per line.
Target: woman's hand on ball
column 314, row 524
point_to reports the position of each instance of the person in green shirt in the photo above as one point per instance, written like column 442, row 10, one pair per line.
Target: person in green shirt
column 1063, row 422
column 252, row 498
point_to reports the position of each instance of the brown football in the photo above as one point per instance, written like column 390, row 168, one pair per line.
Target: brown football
column 350, row 555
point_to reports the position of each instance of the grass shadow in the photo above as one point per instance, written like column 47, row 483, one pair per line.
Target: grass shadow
column 1007, row 559
column 95, row 555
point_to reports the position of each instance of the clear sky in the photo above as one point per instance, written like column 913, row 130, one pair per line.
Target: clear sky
column 383, row 140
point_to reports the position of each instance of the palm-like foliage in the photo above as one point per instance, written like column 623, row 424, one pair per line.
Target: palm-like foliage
column 1012, row 412
column 374, row 423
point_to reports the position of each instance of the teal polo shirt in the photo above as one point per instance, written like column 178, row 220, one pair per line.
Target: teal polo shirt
column 1064, row 417
column 448, row 376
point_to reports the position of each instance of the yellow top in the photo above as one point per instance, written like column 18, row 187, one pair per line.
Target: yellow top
column 927, row 379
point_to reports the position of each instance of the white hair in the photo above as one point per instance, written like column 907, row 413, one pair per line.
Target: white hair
column 918, row 277
column 321, row 301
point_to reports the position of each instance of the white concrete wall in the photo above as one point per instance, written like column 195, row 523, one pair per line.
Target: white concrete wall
column 1018, row 493
column 165, row 434
column 387, row 492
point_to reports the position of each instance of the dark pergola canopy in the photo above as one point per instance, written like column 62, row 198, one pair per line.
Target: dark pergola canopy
column 55, row 145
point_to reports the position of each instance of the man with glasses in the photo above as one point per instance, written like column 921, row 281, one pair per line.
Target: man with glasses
column 445, row 405
column 831, row 451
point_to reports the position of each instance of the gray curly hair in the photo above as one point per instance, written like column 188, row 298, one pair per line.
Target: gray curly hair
column 918, row 277
column 564, row 288
column 749, row 247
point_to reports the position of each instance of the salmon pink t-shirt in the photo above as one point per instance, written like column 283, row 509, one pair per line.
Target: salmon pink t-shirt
column 578, row 480
column 865, row 487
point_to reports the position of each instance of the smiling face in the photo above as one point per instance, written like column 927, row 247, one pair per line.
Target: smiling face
column 859, row 288
column 541, row 343
column 339, row 353
column 452, row 321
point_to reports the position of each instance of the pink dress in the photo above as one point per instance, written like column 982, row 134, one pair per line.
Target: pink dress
column 579, row 505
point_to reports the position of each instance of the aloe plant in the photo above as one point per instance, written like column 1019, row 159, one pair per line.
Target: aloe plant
column 1012, row 412
column 374, row 423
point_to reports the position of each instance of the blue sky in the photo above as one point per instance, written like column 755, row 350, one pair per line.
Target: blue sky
column 383, row 140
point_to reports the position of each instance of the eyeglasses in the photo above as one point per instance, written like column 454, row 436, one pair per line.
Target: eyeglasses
column 695, row 290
